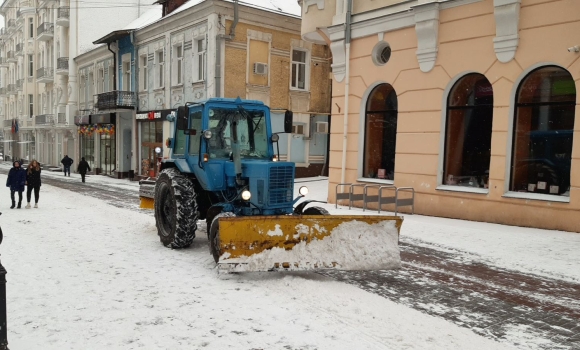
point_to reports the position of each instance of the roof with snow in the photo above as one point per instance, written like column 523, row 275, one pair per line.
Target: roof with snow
column 284, row 7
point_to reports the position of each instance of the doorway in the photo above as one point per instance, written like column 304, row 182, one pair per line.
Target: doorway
column 108, row 152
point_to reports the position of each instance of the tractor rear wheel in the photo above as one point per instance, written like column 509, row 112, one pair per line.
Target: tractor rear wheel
column 315, row 211
column 175, row 209
column 214, row 235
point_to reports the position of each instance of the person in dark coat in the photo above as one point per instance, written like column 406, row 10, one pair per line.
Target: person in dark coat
column 33, row 182
column 83, row 167
column 16, row 180
column 66, row 163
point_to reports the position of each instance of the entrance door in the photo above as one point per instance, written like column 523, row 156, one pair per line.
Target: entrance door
column 107, row 154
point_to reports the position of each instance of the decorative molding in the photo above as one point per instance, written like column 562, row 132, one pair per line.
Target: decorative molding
column 507, row 18
column 307, row 3
column 338, row 59
column 237, row 45
column 427, row 29
column 278, row 52
column 256, row 35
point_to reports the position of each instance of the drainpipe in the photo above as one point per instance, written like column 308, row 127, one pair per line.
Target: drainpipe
column 218, row 51
column 114, row 66
column 346, row 89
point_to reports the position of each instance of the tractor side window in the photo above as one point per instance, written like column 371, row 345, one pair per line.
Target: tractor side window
column 220, row 144
column 194, row 140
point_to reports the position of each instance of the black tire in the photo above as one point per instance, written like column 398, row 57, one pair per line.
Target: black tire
column 214, row 235
column 315, row 211
column 175, row 209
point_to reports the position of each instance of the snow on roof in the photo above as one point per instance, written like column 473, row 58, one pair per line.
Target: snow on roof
column 146, row 18
column 285, row 7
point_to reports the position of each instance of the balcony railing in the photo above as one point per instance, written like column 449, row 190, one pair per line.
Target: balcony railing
column 11, row 89
column 63, row 16
column 45, row 31
column 7, row 123
column 62, row 66
column 61, row 118
column 45, row 119
column 19, row 84
column 44, row 74
column 10, row 56
column 115, row 99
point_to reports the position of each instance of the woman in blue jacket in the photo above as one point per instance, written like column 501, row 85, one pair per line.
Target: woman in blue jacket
column 16, row 181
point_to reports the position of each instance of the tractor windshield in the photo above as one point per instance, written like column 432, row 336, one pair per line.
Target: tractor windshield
column 251, row 133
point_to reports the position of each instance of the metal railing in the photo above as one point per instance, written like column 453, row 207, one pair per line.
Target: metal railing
column 61, row 118
column 349, row 192
column 115, row 99
column 44, row 72
column 45, row 27
column 63, row 12
column 45, row 119
column 62, row 63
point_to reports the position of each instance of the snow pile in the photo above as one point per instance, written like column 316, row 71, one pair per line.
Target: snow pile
column 353, row 245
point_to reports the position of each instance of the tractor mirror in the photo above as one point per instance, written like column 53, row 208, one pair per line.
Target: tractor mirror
column 182, row 118
column 288, row 119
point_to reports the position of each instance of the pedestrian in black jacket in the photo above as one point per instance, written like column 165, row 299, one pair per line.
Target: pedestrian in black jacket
column 33, row 182
column 16, row 180
column 83, row 167
column 66, row 163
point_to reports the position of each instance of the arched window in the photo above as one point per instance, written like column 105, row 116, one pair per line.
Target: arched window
column 543, row 132
column 380, row 133
column 468, row 132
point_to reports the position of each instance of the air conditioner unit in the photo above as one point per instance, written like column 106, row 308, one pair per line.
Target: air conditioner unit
column 322, row 127
column 260, row 68
column 298, row 129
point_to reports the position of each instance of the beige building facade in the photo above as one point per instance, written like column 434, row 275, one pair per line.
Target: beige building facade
column 473, row 103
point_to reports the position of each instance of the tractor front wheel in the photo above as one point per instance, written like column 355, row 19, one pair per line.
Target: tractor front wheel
column 175, row 209
column 315, row 211
column 214, row 235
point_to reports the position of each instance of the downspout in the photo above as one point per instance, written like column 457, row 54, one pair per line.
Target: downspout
column 114, row 66
column 346, row 89
column 218, row 51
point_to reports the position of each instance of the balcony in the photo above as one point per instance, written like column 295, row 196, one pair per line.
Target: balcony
column 44, row 119
column 19, row 49
column 11, row 89
column 45, row 31
column 61, row 119
column 10, row 57
column 115, row 100
column 11, row 24
column 7, row 123
column 19, row 84
column 62, row 66
column 63, row 16
column 45, row 75
column 2, row 91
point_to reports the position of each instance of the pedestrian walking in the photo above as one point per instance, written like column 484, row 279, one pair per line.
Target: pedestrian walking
column 33, row 183
column 83, row 167
column 16, row 180
column 66, row 163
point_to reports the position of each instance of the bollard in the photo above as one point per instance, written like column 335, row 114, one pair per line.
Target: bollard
column 3, row 321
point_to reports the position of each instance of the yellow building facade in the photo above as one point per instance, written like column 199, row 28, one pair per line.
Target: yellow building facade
column 473, row 103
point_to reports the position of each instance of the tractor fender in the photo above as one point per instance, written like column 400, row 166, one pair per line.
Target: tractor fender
column 300, row 207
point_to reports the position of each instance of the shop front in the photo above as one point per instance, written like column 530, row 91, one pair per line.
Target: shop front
column 150, row 130
column 97, row 142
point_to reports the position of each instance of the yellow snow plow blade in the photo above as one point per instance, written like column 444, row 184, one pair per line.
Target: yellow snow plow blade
column 147, row 194
column 309, row 242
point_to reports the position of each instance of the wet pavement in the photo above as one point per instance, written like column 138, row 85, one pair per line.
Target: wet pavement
column 528, row 311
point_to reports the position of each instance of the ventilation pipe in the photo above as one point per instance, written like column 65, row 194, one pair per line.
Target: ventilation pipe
column 346, row 88
column 114, row 66
column 218, row 51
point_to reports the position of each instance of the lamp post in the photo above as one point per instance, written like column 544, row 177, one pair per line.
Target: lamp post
column 3, row 322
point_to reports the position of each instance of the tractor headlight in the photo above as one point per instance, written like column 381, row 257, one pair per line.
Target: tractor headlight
column 303, row 191
column 246, row 195
column 275, row 158
column 207, row 134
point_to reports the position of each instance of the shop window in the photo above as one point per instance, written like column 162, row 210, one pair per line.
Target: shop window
column 543, row 132
column 380, row 133
column 468, row 132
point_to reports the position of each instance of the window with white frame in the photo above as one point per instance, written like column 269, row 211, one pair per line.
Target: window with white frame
column 30, row 105
column 90, row 83
column 30, row 65
column 127, row 76
column 177, row 71
column 159, row 60
column 31, row 28
column 299, row 69
column 143, row 73
column 100, row 81
column 199, row 59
